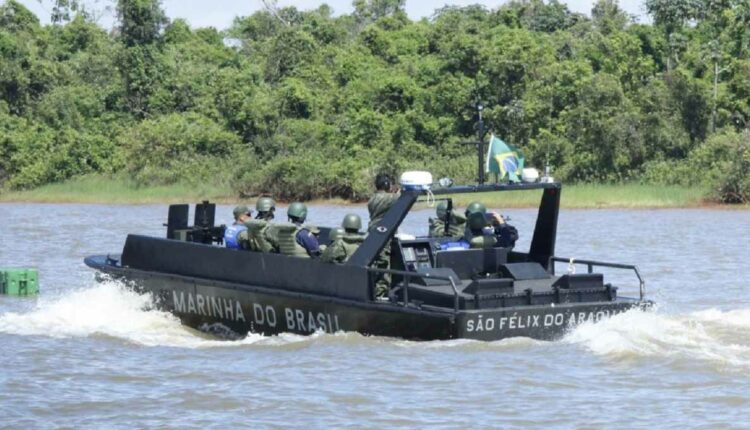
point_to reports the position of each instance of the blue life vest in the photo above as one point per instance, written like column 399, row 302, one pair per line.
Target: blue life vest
column 231, row 234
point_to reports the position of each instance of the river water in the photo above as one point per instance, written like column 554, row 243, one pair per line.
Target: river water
column 91, row 355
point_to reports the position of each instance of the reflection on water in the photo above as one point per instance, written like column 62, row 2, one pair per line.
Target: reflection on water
column 84, row 354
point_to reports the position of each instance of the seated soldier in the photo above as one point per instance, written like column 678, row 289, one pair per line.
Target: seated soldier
column 297, row 214
column 236, row 234
column 343, row 247
column 486, row 230
column 260, row 237
column 456, row 222
column 265, row 206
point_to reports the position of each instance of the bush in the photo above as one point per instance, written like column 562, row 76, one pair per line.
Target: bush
column 722, row 163
column 733, row 182
column 174, row 148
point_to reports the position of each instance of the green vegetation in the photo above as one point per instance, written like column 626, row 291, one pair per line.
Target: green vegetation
column 102, row 189
column 304, row 104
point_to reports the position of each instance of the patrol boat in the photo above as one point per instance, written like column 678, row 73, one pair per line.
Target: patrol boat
column 437, row 291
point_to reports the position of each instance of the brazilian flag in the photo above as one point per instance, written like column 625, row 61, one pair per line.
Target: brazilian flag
column 504, row 159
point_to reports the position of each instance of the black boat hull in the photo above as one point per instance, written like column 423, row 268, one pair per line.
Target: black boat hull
column 231, row 309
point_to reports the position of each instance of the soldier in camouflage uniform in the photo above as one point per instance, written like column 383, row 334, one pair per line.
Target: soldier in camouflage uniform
column 378, row 205
column 487, row 230
column 266, row 207
column 259, row 237
column 344, row 245
column 456, row 226
column 381, row 201
column 297, row 214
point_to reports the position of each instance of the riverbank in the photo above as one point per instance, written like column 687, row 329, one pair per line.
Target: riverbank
column 117, row 191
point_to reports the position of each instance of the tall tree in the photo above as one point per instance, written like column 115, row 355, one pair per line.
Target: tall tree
column 672, row 15
column 141, row 24
column 141, row 21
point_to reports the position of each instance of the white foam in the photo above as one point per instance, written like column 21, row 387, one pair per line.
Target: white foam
column 711, row 336
column 109, row 309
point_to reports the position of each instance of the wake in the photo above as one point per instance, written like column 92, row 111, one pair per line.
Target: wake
column 720, row 338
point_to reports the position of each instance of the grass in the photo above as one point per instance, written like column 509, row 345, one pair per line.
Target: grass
column 100, row 189
column 587, row 196
column 107, row 190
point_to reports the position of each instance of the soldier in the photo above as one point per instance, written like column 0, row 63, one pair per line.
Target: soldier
column 297, row 214
column 235, row 236
column 456, row 226
column 378, row 205
column 343, row 247
column 260, row 238
column 382, row 200
column 266, row 208
column 486, row 230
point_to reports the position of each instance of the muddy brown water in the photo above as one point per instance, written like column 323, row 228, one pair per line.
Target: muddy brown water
column 90, row 355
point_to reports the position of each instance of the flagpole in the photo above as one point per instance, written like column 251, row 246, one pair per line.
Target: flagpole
column 481, row 144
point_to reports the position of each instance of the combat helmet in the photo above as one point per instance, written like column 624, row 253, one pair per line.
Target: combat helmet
column 475, row 207
column 297, row 211
column 265, row 204
column 335, row 233
column 475, row 216
column 352, row 223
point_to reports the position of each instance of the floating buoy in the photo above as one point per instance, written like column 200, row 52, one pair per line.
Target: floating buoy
column 19, row 282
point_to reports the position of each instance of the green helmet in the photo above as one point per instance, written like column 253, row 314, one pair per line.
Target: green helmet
column 475, row 207
column 352, row 222
column 442, row 209
column 476, row 221
column 265, row 204
column 298, row 211
column 335, row 233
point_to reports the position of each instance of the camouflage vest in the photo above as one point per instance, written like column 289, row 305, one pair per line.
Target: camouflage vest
column 343, row 248
column 257, row 236
column 286, row 234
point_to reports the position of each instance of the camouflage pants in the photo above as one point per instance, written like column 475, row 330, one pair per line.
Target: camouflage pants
column 383, row 280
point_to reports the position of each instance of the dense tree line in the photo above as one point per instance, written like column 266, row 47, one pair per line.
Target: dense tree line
column 305, row 104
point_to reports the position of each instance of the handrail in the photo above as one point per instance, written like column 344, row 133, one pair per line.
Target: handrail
column 408, row 275
column 591, row 263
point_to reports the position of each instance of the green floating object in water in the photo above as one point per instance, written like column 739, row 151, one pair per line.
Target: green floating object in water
column 19, row 282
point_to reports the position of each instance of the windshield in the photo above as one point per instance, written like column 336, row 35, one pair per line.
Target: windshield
column 520, row 208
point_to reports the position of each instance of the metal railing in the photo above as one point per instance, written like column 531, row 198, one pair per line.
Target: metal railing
column 590, row 264
column 407, row 278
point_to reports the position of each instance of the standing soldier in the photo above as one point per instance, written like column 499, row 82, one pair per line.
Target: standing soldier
column 382, row 200
column 235, row 236
column 378, row 205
